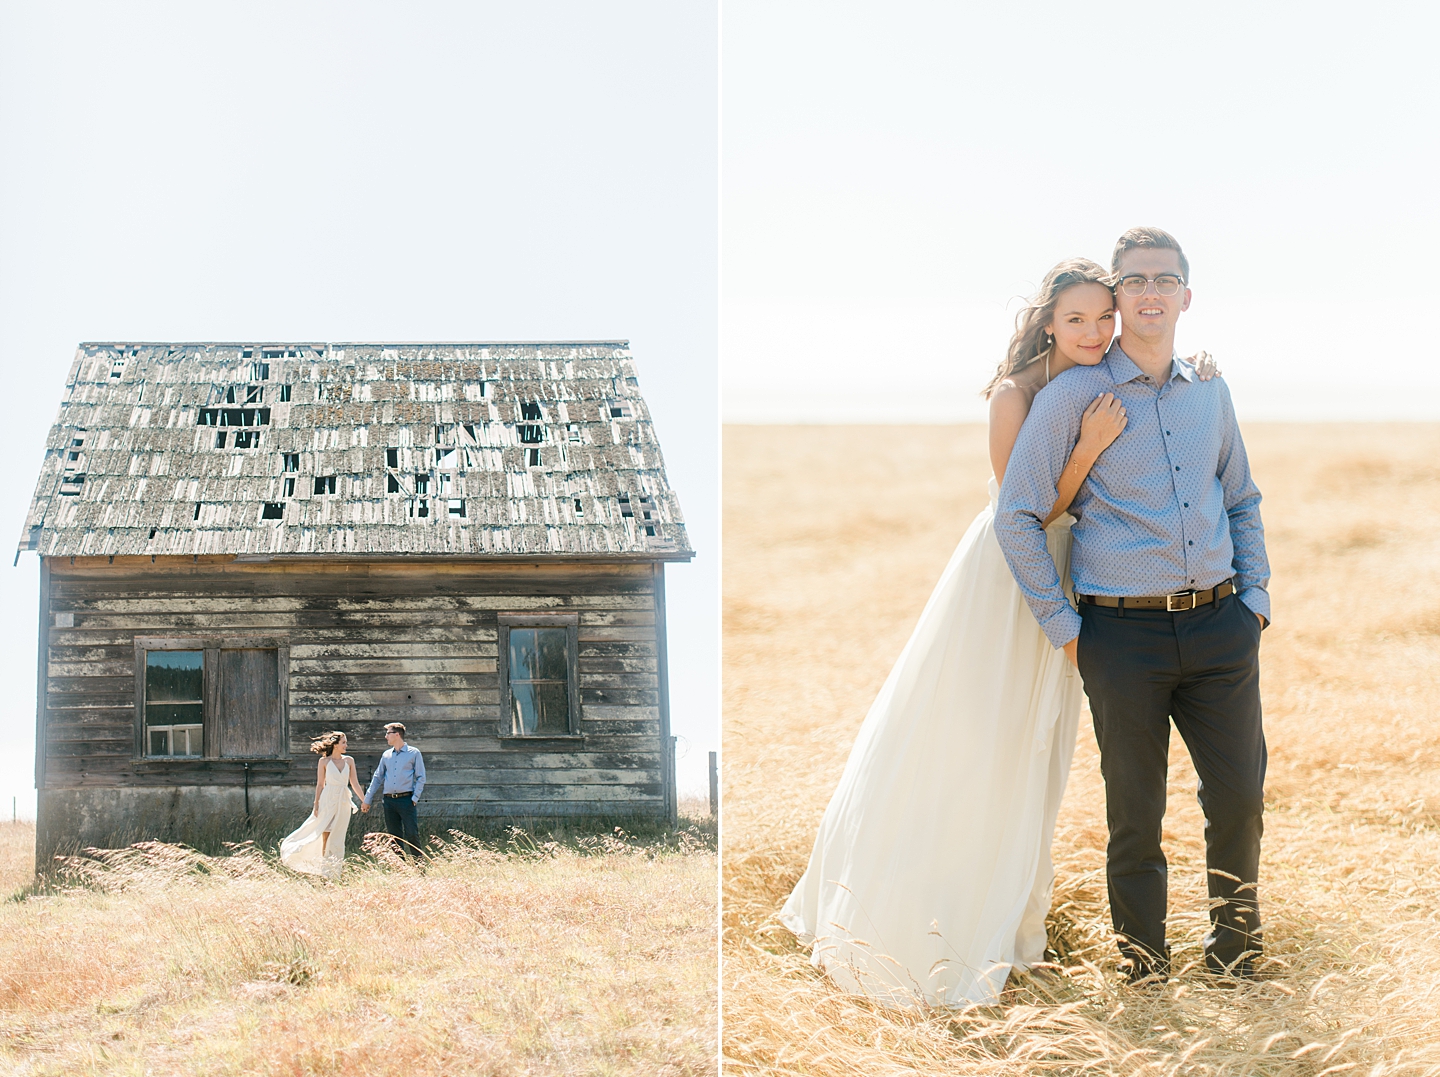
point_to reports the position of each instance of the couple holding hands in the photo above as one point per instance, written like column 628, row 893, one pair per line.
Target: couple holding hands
column 318, row 847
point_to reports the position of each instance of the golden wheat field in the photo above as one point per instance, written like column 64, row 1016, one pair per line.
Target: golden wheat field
column 591, row 956
column 834, row 538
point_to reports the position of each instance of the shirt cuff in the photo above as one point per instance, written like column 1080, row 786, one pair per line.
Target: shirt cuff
column 1257, row 600
column 1061, row 628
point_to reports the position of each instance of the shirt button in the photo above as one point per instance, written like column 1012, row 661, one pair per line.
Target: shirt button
column 1192, row 542
column 1167, row 433
column 1177, row 467
column 1187, row 504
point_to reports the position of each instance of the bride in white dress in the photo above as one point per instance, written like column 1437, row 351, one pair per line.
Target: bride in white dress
column 318, row 847
column 931, row 875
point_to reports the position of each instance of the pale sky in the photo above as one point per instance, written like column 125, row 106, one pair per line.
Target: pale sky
column 364, row 171
column 895, row 175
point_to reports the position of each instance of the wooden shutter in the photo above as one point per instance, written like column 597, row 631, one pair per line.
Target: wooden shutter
column 249, row 720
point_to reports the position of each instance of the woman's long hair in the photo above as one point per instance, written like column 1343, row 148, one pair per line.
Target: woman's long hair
column 1029, row 343
column 325, row 743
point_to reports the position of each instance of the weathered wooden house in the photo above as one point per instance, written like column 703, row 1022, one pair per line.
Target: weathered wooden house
column 244, row 545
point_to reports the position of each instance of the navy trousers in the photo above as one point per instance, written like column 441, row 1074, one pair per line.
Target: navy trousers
column 402, row 821
column 1200, row 668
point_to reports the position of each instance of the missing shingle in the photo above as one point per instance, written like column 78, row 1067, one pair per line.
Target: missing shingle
column 289, row 487
column 233, row 417
column 422, row 485
column 154, row 531
column 419, row 507
column 71, row 484
column 197, row 510
column 620, row 410
column 530, row 411
column 579, row 509
column 625, row 507
column 533, row 458
column 531, row 433
column 273, row 510
column 650, row 530
column 456, row 507
column 573, row 432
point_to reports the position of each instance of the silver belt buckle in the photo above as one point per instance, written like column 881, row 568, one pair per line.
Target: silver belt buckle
column 1171, row 607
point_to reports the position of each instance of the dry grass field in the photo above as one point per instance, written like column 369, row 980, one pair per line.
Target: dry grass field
column 834, row 538
column 590, row 956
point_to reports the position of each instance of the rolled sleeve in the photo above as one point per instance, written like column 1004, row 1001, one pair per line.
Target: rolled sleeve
column 1026, row 498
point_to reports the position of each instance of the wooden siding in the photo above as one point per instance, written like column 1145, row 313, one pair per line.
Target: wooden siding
column 369, row 643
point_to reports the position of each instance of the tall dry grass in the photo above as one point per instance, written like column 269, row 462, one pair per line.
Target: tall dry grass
column 594, row 955
column 834, row 538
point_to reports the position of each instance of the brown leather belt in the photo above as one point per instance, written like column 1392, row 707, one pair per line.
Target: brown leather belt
column 1176, row 603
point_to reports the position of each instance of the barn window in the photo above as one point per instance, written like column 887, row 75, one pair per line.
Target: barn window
column 289, row 486
column 285, row 394
column 532, row 458
column 273, row 510
column 324, row 484
column 255, row 394
column 292, row 461
column 573, row 431
column 259, row 371
column 530, row 411
column 540, row 694
column 212, row 697
column 392, row 484
column 247, row 439
column 392, row 458
column 175, row 703
column 456, row 507
column 220, row 440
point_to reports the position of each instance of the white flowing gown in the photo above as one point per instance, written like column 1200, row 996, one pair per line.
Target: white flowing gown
column 302, row 850
column 931, row 874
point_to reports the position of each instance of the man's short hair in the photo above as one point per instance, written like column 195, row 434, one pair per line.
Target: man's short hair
column 395, row 727
column 1154, row 238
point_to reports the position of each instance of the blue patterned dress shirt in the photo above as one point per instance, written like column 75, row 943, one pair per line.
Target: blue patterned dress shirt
column 1169, row 506
column 400, row 770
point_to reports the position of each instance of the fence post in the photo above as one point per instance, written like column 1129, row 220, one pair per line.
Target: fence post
column 714, row 786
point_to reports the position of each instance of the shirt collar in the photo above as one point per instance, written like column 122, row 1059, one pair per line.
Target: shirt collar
column 1122, row 368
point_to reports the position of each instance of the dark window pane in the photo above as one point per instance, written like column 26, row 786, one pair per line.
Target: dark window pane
column 159, row 742
column 538, row 654
column 174, row 713
column 172, row 676
column 540, row 708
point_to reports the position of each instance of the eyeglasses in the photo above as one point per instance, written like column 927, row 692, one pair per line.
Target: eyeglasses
column 1165, row 284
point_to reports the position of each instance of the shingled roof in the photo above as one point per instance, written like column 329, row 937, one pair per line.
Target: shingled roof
column 484, row 449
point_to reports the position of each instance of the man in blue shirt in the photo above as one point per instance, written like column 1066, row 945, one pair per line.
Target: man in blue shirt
column 1170, row 573
column 401, row 778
